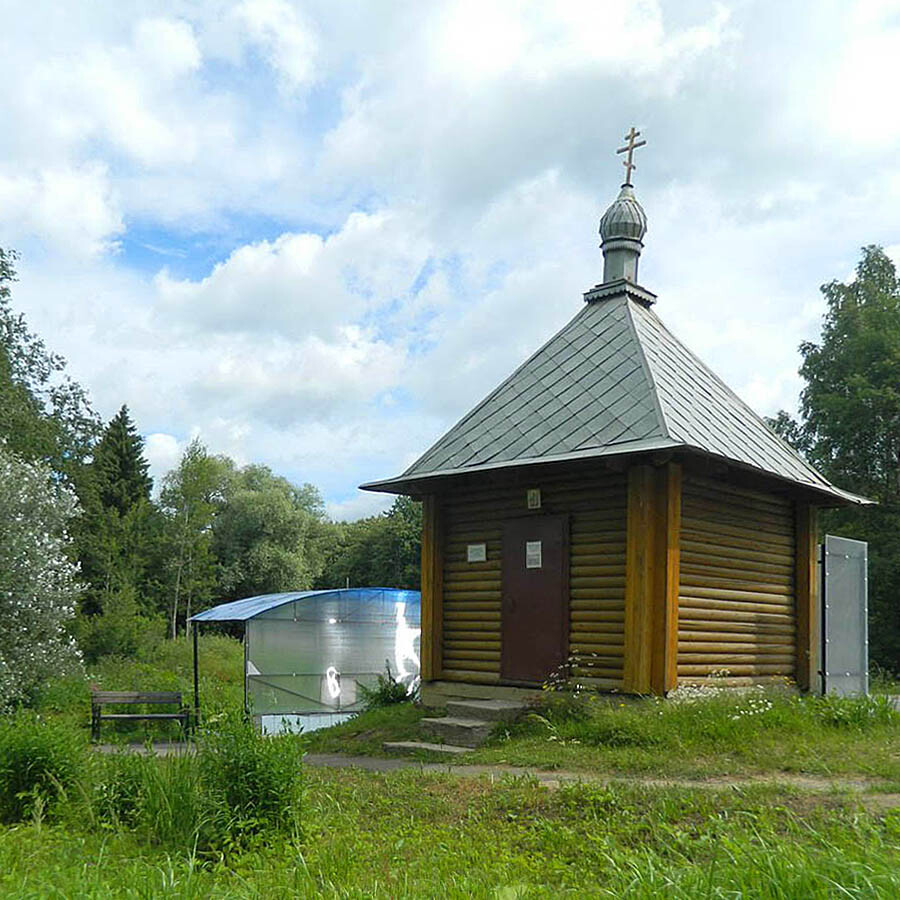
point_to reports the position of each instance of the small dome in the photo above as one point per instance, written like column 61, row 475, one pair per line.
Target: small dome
column 625, row 218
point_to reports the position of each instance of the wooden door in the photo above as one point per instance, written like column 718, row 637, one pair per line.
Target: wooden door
column 535, row 604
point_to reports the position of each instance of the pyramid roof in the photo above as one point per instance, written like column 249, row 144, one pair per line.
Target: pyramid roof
column 613, row 381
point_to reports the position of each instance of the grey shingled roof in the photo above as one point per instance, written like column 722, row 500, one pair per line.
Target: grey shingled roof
column 614, row 380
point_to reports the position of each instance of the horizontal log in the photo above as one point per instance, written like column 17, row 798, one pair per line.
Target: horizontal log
column 750, row 525
column 454, row 655
column 592, row 556
column 737, row 536
column 704, row 586
column 608, row 570
column 597, row 628
column 732, row 681
column 736, row 669
column 469, row 665
column 691, row 626
column 786, row 636
column 598, row 673
column 598, row 604
column 736, row 616
column 599, row 593
column 723, row 561
column 598, row 615
column 595, row 583
column 734, row 607
column 756, row 573
column 452, row 585
column 715, row 551
column 604, row 651
column 470, row 676
column 717, row 490
column 467, row 616
column 453, row 643
column 453, row 596
column 488, row 569
column 694, row 592
column 730, row 647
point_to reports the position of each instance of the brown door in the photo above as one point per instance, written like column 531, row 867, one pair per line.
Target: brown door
column 535, row 611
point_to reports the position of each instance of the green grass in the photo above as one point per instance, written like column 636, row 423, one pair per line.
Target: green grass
column 171, row 669
column 409, row 834
column 727, row 734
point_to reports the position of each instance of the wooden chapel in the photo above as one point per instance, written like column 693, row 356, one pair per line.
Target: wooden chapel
column 614, row 510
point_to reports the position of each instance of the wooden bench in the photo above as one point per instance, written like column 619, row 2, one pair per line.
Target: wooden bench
column 99, row 699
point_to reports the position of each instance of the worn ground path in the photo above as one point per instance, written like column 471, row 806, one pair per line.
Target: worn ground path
column 866, row 789
column 554, row 778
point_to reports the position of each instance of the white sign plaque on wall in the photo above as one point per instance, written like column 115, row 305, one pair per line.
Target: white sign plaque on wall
column 476, row 553
column 533, row 555
column 533, row 497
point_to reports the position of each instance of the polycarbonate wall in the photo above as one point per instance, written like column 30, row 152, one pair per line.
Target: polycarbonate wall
column 310, row 656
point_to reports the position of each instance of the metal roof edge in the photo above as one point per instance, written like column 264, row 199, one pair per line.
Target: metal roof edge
column 283, row 599
column 387, row 485
column 396, row 485
column 648, row 371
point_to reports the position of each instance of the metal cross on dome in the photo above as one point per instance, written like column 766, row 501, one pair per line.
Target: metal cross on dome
column 630, row 146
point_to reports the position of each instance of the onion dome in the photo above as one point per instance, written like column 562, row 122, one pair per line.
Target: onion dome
column 625, row 218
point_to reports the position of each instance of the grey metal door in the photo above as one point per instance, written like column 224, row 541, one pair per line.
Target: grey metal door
column 845, row 640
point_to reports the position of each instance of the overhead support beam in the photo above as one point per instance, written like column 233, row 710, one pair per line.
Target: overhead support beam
column 651, row 578
column 806, row 588
column 432, row 616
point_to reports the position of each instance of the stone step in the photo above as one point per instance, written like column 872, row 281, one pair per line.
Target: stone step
column 460, row 731
column 409, row 746
column 486, row 710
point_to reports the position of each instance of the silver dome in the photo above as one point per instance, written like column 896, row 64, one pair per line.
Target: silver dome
column 625, row 218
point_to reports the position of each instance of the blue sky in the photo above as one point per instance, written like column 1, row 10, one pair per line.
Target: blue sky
column 316, row 233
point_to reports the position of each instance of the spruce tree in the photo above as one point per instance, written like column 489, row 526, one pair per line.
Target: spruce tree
column 120, row 471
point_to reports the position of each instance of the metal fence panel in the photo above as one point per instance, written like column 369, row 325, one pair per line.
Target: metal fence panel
column 845, row 648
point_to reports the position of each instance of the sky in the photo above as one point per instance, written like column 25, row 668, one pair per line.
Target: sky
column 316, row 233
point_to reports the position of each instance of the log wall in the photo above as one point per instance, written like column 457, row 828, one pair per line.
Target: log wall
column 736, row 604
column 471, row 592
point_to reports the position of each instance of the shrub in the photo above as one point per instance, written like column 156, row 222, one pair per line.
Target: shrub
column 255, row 781
column 386, row 692
column 563, row 706
column 39, row 762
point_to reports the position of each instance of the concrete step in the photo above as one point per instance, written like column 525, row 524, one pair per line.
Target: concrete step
column 486, row 710
column 460, row 731
column 409, row 746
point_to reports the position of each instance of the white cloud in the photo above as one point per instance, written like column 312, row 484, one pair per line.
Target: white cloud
column 163, row 452
column 384, row 208
column 74, row 209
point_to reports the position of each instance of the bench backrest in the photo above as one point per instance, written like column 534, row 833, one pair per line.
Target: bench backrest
column 100, row 697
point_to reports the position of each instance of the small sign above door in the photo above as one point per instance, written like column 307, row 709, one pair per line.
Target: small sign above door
column 533, row 498
column 476, row 553
column 533, row 555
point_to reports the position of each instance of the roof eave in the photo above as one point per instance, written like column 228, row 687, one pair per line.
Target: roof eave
column 425, row 482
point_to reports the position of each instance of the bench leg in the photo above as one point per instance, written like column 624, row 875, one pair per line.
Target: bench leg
column 95, row 725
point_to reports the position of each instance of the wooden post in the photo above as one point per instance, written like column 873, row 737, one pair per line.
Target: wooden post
column 651, row 578
column 432, row 589
column 806, row 591
column 667, row 554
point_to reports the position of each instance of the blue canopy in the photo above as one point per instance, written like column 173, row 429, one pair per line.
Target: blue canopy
column 250, row 607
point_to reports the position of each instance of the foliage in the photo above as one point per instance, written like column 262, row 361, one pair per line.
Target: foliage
column 267, row 534
column 850, row 427
column 119, row 538
column 256, row 779
column 120, row 629
column 39, row 762
column 387, row 691
column 192, row 495
column 382, row 551
column 38, row 582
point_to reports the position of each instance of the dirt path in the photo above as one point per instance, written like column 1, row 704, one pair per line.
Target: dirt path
column 860, row 786
column 553, row 779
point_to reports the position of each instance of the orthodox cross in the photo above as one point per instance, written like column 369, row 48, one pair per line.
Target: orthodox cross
column 630, row 146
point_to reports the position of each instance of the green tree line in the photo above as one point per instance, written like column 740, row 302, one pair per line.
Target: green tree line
column 146, row 561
